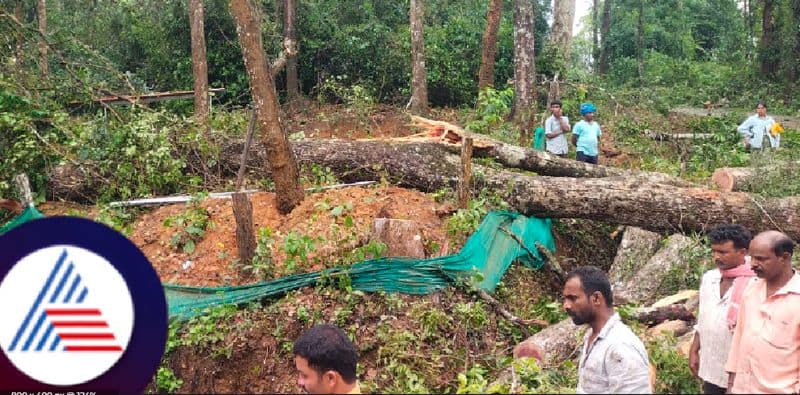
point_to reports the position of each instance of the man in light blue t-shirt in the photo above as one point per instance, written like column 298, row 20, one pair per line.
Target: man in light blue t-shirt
column 586, row 135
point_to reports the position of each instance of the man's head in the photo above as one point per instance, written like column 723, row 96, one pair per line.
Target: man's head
column 586, row 292
column 587, row 111
column 325, row 360
column 555, row 107
column 771, row 254
column 729, row 245
column 761, row 109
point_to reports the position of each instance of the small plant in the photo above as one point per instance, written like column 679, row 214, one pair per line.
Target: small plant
column 317, row 176
column 166, row 380
column 464, row 222
column 297, row 248
column 262, row 265
column 210, row 328
column 119, row 218
column 549, row 310
column 190, row 225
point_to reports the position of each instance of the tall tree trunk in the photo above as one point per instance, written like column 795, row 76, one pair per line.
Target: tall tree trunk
column 289, row 31
column 595, row 33
column 43, row 66
column 419, row 79
column 768, row 46
column 524, row 69
column 640, row 43
column 282, row 162
column 20, row 38
column 561, row 31
column 489, row 45
column 606, row 29
column 199, row 61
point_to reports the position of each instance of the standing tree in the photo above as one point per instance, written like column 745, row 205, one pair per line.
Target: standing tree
column 603, row 62
column 489, row 45
column 265, row 102
column 561, row 30
column 524, row 68
column 769, row 46
column 640, row 43
column 20, row 38
column 290, row 33
column 595, row 33
column 419, row 80
column 199, row 61
column 42, row 9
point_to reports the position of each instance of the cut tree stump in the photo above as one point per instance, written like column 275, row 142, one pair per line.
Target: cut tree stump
column 402, row 237
column 245, row 234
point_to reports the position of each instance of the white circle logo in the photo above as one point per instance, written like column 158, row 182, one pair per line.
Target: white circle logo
column 71, row 317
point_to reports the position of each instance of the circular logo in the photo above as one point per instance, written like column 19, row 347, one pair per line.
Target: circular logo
column 81, row 309
column 74, row 315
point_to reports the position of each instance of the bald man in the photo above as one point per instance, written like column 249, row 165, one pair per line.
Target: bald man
column 765, row 350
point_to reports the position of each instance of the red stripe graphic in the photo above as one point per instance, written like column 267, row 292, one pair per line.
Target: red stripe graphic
column 93, row 348
column 72, row 311
column 86, row 336
column 80, row 324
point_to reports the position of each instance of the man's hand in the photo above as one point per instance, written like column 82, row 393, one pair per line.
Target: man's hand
column 731, row 377
column 694, row 355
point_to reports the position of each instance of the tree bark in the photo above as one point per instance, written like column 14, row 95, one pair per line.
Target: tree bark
column 635, row 249
column 282, row 163
column 199, row 61
column 603, row 63
column 245, row 233
column 768, row 31
column 595, row 34
column 43, row 64
column 289, row 31
column 561, row 30
column 655, row 316
column 524, row 69
column 19, row 36
column 640, row 44
column 466, row 174
column 419, row 79
column 489, row 45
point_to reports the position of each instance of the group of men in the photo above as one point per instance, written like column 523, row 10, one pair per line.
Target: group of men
column 746, row 340
column 585, row 134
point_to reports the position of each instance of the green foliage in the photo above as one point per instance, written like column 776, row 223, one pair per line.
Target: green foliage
column 262, row 265
column 695, row 260
column 119, row 218
column 166, row 381
column 297, row 247
column 723, row 149
column 673, row 374
column 210, row 329
column 491, row 112
column 464, row 222
column 549, row 309
column 190, row 225
column 532, row 379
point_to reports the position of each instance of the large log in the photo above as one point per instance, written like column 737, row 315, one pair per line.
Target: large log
column 626, row 201
column 635, row 249
column 746, row 178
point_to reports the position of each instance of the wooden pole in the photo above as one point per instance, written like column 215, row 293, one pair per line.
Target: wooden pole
column 466, row 173
column 245, row 237
column 251, row 127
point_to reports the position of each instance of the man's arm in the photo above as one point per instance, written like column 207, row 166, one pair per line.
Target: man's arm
column 732, row 365
column 744, row 128
column 627, row 372
column 550, row 133
column 694, row 355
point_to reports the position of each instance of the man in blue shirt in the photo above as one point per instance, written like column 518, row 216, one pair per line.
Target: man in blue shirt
column 586, row 135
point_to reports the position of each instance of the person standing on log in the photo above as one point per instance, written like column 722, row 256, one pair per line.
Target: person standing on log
column 586, row 135
column 720, row 296
column 326, row 361
column 757, row 128
column 613, row 359
column 765, row 351
column 555, row 128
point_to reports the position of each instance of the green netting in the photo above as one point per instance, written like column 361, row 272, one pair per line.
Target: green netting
column 502, row 238
column 489, row 251
column 29, row 214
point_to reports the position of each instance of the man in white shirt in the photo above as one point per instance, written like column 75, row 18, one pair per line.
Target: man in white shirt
column 719, row 290
column 555, row 128
column 613, row 359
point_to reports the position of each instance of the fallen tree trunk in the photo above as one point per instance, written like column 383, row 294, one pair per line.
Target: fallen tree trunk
column 652, row 206
column 635, row 249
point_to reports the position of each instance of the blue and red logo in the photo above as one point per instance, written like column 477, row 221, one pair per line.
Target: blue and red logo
column 82, row 309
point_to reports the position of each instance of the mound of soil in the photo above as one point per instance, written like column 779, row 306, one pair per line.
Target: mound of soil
column 337, row 221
